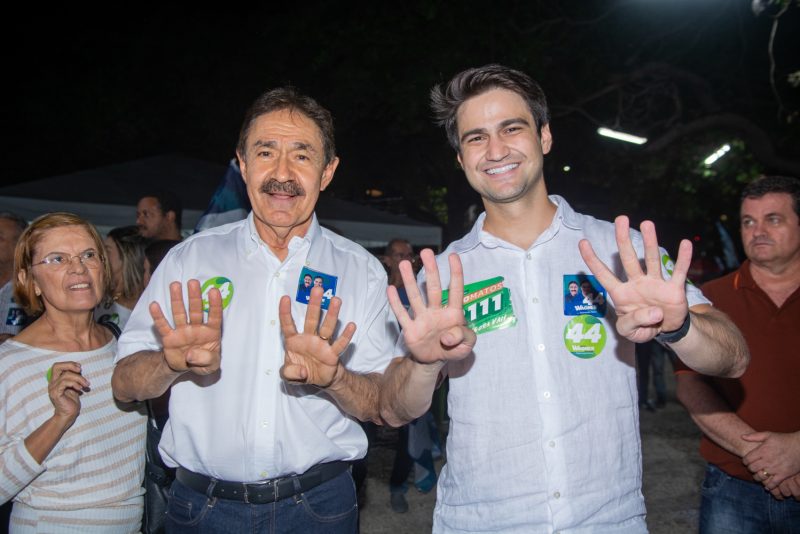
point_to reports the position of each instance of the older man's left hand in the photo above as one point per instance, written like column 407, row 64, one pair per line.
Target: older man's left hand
column 313, row 356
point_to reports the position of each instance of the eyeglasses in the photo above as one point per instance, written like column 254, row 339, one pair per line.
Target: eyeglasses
column 59, row 260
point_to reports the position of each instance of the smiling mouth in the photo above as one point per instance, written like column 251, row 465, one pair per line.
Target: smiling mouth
column 500, row 170
column 79, row 286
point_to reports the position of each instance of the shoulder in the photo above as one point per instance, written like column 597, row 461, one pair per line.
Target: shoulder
column 350, row 250
column 719, row 285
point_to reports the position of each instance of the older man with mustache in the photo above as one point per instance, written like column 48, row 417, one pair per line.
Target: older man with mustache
column 263, row 418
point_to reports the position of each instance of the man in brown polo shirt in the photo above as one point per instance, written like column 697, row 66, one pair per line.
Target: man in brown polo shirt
column 751, row 424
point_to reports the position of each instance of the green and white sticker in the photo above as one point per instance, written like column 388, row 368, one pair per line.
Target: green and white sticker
column 668, row 264
column 487, row 305
column 225, row 287
column 585, row 336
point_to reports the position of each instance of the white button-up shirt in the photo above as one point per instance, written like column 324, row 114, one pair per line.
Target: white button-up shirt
column 542, row 440
column 245, row 423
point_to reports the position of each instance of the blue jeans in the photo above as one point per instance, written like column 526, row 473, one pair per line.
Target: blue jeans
column 328, row 508
column 731, row 505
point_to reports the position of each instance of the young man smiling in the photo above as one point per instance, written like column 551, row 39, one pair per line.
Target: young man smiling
column 542, row 400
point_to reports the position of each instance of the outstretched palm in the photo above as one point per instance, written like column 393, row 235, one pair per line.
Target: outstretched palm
column 435, row 333
column 645, row 303
column 313, row 356
column 192, row 345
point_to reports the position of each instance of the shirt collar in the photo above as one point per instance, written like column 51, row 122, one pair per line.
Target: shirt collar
column 564, row 215
column 252, row 241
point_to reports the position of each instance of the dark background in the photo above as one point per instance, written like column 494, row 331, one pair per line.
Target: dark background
column 86, row 88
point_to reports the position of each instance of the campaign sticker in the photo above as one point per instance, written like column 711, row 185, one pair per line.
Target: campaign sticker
column 583, row 295
column 668, row 264
column 487, row 305
column 585, row 336
column 309, row 279
column 225, row 287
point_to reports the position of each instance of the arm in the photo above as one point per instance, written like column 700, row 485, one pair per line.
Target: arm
column 312, row 358
column 434, row 336
column 192, row 346
column 64, row 389
column 647, row 305
column 712, row 414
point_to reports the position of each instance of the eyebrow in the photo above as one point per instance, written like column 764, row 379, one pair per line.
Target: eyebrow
column 297, row 145
column 504, row 124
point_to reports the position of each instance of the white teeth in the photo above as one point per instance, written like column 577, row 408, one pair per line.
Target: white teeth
column 504, row 168
column 79, row 286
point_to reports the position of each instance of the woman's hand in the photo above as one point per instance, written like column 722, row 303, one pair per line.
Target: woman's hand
column 66, row 385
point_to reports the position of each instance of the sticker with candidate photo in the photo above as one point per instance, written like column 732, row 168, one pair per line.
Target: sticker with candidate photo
column 583, row 295
column 310, row 278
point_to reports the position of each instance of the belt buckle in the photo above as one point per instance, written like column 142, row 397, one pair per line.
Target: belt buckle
column 260, row 484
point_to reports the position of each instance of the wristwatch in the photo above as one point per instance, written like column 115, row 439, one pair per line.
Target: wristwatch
column 675, row 335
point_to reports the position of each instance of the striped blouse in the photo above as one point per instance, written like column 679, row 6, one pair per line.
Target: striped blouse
column 92, row 479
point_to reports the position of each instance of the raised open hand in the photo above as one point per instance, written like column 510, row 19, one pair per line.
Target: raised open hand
column 193, row 345
column 645, row 303
column 313, row 356
column 435, row 333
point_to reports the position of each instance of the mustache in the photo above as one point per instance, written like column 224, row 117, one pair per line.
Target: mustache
column 761, row 241
column 290, row 187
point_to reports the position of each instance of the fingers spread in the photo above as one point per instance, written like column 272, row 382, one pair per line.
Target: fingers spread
column 162, row 326
column 627, row 254
column 344, row 338
column 397, row 306
column 456, row 286
column 599, row 269
column 195, row 302
column 288, row 328
column 683, row 262
column 652, row 254
column 313, row 311
column 328, row 326
column 214, row 308
column 433, row 282
column 176, row 301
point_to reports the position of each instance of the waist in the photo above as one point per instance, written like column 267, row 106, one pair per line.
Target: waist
column 261, row 492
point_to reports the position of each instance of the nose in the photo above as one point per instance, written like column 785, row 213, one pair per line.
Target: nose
column 496, row 149
column 76, row 265
column 282, row 172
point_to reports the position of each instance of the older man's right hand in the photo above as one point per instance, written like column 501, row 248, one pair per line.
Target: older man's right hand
column 193, row 345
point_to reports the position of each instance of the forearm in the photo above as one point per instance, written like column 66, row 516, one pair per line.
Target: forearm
column 143, row 375
column 357, row 394
column 41, row 441
column 713, row 415
column 407, row 389
column 713, row 346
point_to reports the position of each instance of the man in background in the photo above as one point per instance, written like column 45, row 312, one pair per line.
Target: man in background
column 158, row 216
column 12, row 316
column 751, row 425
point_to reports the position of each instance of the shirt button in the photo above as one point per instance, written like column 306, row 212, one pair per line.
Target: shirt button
column 267, row 372
column 264, row 424
column 529, row 255
column 278, row 274
column 552, row 444
column 272, row 322
column 535, row 300
column 263, row 474
column 540, row 347
column 546, row 394
column 557, row 495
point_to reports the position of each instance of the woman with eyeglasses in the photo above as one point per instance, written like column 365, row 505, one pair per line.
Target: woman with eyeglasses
column 71, row 457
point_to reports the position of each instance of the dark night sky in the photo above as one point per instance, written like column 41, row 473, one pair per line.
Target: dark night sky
column 90, row 88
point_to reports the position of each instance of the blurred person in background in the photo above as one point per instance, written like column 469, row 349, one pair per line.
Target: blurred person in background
column 12, row 315
column 125, row 252
column 72, row 457
column 159, row 215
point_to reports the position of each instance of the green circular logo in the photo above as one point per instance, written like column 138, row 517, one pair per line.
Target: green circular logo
column 668, row 264
column 225, row 287
column 585, row 336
